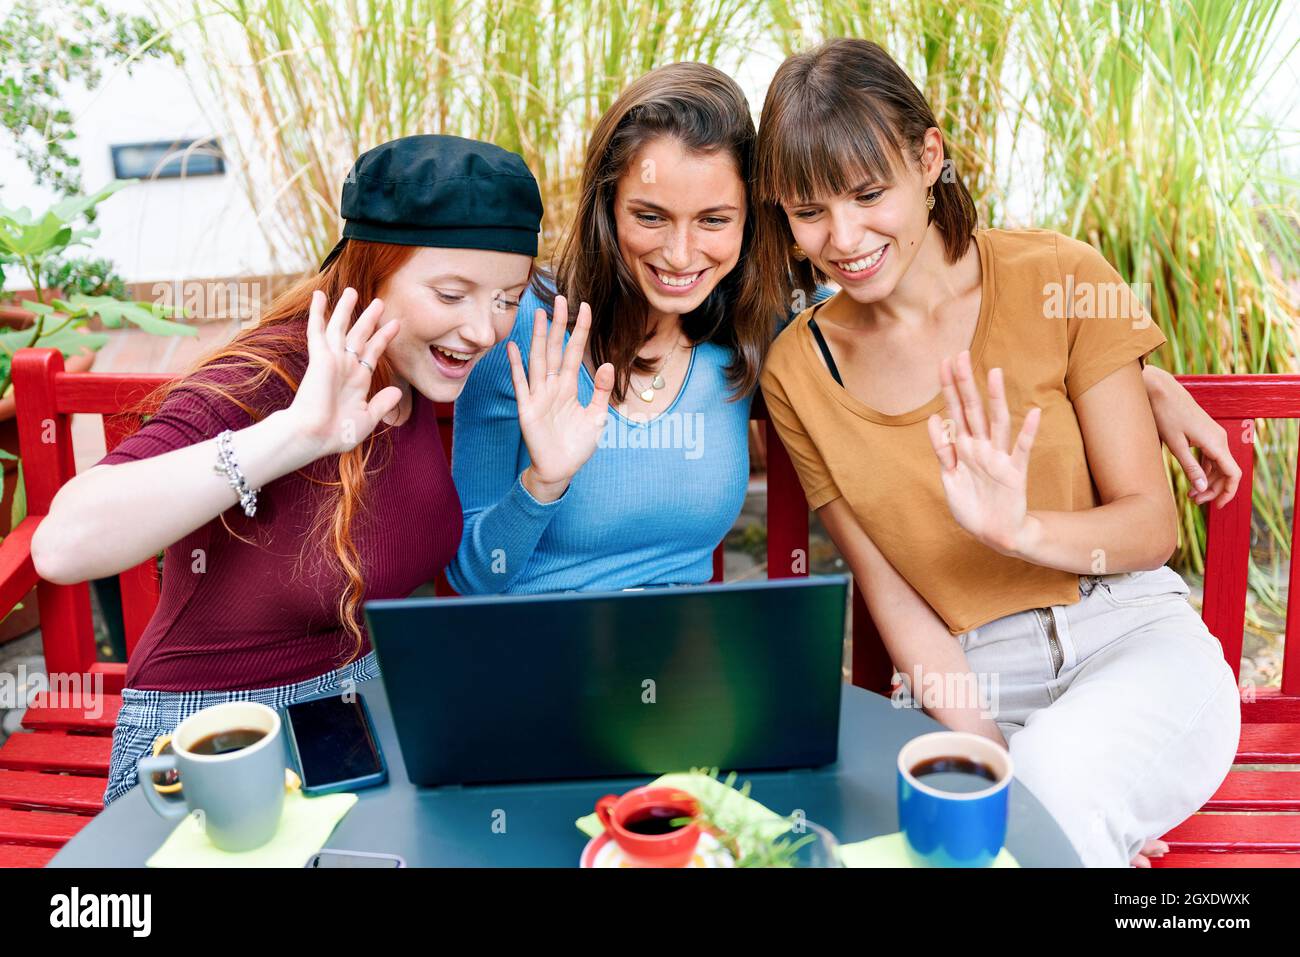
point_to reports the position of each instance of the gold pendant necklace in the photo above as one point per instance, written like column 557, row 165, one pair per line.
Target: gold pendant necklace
column 648, row 393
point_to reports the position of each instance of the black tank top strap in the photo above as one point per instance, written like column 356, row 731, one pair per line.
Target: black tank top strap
column 826, row 350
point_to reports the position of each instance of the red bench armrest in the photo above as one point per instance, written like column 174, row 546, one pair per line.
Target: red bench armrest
column 17, row 573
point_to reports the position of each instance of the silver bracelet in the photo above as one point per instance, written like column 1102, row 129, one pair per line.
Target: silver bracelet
column 227, row 466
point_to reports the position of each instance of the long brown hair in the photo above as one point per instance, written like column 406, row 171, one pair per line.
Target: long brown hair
column 703, row 109
column 833, row 116
column 277, row 346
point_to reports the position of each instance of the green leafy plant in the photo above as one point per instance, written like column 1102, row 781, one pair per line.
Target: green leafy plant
column 751, row 842
column 45, row 44
column 1158, row 156
column 82, row 274
column 31, row 243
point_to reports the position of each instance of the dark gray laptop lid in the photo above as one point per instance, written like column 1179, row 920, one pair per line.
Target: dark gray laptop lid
column 741, row 676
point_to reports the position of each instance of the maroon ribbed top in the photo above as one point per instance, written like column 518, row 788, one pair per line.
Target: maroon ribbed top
column 240, row 615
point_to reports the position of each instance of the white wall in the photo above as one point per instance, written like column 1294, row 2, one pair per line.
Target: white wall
column 155, row 230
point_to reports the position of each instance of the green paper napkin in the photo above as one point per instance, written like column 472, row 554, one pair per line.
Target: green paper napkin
column 305, row 825
column 888, row 850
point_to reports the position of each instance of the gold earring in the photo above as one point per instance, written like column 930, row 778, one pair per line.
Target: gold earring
column 798, row 253
column 929, row 199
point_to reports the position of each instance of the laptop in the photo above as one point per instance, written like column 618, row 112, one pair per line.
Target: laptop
column 739, row 676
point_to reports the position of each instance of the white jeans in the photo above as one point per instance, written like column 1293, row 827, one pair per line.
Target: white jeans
column 1123, row 718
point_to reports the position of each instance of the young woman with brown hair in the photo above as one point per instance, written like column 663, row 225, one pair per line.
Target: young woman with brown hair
column 1038, row 559
column 659, row 248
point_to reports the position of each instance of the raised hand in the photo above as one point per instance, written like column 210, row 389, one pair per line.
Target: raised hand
column 333, row 408
column 984, row 477
column 560, row 432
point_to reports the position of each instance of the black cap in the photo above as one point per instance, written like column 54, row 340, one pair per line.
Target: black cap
column 438, row 190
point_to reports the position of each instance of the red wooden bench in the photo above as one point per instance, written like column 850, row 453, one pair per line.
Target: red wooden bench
column 1229, row 831
column 52, row 779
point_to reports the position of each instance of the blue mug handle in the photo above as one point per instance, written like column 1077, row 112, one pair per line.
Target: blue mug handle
column 173, row 809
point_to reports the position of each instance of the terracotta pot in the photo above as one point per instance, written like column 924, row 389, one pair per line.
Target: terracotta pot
column 14, row 317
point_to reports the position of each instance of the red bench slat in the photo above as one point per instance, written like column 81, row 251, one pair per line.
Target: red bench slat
column 1269, row 744
column 39, row 827
column 25, row 855
column 1224, row 859
column 1269, row 706
column 1246, row 396
column 66, row 792
column 1236, row 832
column 55, row 751
column 1257, row 791
column 100, row 392
column 113, row 672
column 41, row 718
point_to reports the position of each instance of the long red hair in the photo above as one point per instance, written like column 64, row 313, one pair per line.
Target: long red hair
column 277, row 346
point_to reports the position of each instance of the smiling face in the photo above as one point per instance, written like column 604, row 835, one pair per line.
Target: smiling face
column 680, row 218
column 452, row 305
column 867, row 238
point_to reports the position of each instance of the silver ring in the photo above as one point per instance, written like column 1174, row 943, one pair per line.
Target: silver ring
column 549, row 374
column 348, row 349
column 365, row 363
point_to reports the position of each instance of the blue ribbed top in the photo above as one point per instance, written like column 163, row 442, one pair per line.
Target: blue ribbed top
column 647, row 508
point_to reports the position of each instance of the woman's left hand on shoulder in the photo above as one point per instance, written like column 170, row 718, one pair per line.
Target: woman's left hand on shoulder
column 1183, row 426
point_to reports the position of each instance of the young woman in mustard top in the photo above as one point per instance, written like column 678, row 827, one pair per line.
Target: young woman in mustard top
column 1017, row 537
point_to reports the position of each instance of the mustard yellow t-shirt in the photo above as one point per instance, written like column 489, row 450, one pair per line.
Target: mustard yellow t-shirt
column 1057, row 318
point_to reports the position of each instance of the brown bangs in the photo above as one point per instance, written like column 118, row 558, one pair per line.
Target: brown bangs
column 824, row 143
column 835, row 118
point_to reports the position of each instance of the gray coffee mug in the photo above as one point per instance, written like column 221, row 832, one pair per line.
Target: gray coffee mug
column 240, row 793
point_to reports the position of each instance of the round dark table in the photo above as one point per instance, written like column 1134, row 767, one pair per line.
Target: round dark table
column 454, row 826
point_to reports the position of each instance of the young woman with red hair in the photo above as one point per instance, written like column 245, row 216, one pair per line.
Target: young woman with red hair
column 299, row 472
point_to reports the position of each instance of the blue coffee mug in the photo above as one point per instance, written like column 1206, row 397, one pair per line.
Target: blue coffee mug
column 943, row 828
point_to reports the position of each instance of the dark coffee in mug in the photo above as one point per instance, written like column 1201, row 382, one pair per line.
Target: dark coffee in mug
column 223, row 742
column 955, row 774
column 656, row 820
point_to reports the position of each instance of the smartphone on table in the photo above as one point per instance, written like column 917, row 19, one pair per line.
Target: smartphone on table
column 334, row 744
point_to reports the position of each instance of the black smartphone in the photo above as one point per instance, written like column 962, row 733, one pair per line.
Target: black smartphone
column 334, row 744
